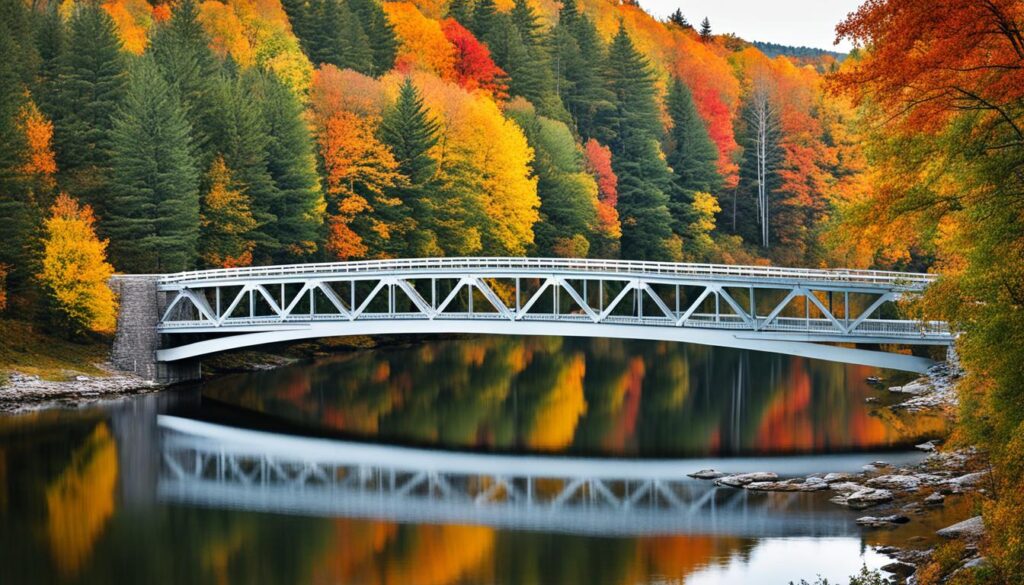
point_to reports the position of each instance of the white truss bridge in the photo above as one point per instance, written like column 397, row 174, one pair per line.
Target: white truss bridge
column 226, row 467
column 801, row 312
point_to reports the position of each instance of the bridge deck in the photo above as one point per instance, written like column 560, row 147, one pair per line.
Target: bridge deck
column 753, row 307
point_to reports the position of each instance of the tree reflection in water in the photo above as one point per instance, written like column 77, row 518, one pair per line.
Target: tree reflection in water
column 583, row 396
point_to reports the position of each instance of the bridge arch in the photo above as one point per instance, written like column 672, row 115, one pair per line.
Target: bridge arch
column 792, row 311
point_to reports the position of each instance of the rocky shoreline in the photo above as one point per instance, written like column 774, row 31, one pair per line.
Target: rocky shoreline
column 898, row 496
column 23, row 392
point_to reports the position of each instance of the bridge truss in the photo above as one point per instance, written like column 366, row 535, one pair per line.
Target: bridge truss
column 791, row 311
column 225, row 467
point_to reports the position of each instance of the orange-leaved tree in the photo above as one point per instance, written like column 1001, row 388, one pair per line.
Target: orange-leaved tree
column 75, row 270
column 942, row 86
column 359, row 169
column 226, row 221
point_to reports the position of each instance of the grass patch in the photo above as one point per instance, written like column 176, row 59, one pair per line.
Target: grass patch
column 26, row 349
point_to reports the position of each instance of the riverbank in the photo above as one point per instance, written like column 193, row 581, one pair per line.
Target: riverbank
column 39, row 371
column 907, row 510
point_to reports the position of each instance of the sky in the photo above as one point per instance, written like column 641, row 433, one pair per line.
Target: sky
column 809, row 23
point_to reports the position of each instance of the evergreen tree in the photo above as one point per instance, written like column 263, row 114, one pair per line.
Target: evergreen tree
column 691, row 154
column 705, row 30
column 51, row 43
column 90, row 86
column 379, row 32
column 153, row 218
column 679, row 20
column 181, row 51
column 462, row 11
column 631, row 130
column 335, row 35
column 568, row 195
column 300, row 15
column 16, row 209
column 240, row 135
column 410, row 133
column 484, row 20
column 298, row 203
column 577, row 59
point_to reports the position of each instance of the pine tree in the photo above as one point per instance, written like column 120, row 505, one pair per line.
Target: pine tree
column 91, row 84
column 578, row 56
column 16, row 208
column 298, row 203
column 462, row 11
column 336, row 36
column 181, row 50
column 568, row 195
column 51, row 38
column 679, row 20
column 226, row 221
column 484, row 23
column 410, row 133
column 705, row 30
column 691, row 154
column 153, row 219
column 379, row 32
column 631, row 130
column 240, row 135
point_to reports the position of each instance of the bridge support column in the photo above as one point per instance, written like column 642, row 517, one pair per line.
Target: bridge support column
column 137, row 339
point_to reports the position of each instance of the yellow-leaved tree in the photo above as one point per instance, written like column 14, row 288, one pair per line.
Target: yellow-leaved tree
column 75, row 270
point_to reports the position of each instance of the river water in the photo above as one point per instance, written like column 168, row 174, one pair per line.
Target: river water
column 479, row 460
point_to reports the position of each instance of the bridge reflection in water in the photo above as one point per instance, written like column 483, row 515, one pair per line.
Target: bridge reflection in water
column 226, row 467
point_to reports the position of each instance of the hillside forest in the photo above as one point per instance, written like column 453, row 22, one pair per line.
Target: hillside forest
column 150, row 137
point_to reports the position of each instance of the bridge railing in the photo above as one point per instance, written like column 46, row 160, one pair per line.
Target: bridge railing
column 904, row 280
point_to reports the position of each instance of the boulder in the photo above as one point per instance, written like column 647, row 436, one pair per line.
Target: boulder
column 845, row 487
column 882, row 521
column 899, row 569
column 895, row 482
column 707, row 474
column 969, row 480
column 915, row 388
column 935, row 499
column 970, row 528
column 928, row 446
column 834, row 477
column 742, row 479
column 866, row 498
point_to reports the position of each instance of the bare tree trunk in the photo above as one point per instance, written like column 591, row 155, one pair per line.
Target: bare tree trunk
column 762, row 119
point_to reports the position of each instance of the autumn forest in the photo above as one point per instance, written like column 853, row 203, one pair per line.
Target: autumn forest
column 151, row 136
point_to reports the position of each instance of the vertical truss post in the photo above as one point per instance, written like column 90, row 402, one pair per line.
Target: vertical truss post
column 216, row 293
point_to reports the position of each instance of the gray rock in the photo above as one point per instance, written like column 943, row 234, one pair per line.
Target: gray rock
column 895, row 482
column 916, row 388
column 882, row 521
column 707, row 474
column 976, row 563
column 867, row 497
column 871, row 399
column 928, row 446
column 773, row 486
column 834, row 477
column 845, row 487
column 742, row 479
column 899, row 569
column 970, row 528
column 935, row 499
column 969, row 480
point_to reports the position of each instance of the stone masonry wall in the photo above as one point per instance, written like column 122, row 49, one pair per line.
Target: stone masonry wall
column 137, row 339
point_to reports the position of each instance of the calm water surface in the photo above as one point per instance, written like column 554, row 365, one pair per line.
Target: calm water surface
column 267, row 489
